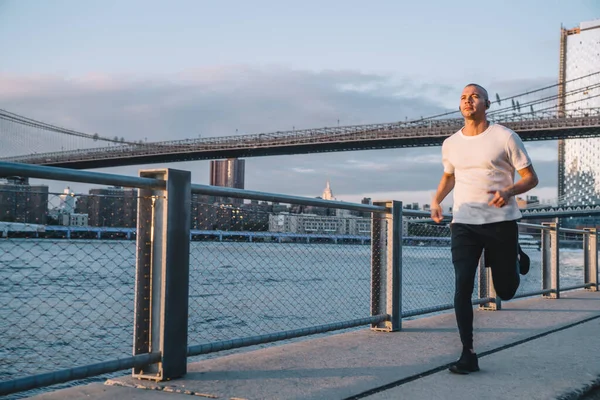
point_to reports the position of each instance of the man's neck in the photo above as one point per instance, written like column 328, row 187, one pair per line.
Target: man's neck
column 474, row 128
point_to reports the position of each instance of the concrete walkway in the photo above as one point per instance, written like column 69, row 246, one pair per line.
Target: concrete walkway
column 532, row 349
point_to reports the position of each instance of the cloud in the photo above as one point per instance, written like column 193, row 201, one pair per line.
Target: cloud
column 431, row 158
column 365, row 165
column 543, row 152
column 223, row 101
column 209, row 101
column 303, row 170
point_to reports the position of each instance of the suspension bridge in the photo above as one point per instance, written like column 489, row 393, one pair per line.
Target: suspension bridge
column 540, row 114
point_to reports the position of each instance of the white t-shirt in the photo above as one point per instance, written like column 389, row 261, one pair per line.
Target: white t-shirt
column 483, row 163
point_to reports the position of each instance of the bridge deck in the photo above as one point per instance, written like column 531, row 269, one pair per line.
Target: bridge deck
column 532, row 349
column 348, row 138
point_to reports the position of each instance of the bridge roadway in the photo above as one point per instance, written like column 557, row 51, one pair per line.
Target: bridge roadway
column 531, row 349
column 582, row 124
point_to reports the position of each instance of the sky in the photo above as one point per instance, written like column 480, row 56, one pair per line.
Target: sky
column 156, row 70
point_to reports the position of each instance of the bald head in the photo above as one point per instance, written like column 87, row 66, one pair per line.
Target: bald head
column 474, row 102
column 484, row 92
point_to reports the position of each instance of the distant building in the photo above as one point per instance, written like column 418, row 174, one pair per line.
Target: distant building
column 365, row 214
column 22, row 202
column 228, row 173
column 411, row 206
column 311, row 223
column 327, row 193
column 74, row 219
column 111, row 207
column 579, row 169
column 67, row 201
column 203, row 212
column 255, row 216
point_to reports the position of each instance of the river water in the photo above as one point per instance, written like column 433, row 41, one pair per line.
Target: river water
column 66, row 303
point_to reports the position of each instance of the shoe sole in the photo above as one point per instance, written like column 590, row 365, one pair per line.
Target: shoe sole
column 457, row 371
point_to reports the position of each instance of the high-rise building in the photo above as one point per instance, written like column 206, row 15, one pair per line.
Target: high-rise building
column 113, row 206
column 228, row 173
column 67, row 201
column 578, row 167
column 327, row 193
column 22, row 202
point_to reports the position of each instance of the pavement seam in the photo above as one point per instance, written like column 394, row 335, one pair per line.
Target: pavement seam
column 168, row 389
column 432, row 371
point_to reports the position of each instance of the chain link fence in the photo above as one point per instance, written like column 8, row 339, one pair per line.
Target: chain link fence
column 66, row 282
column 427, row 270
column 571, row 259
column 428, row 273
column 265, row 271
column 68, row 270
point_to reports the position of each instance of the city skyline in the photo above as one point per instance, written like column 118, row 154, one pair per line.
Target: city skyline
column 136, row 82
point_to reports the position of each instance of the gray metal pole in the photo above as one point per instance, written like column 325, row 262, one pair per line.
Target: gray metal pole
column 486, row 287
column 590, row 251
column 550, row 260
column 386, row 266
column 162, row 274
column 377, row 264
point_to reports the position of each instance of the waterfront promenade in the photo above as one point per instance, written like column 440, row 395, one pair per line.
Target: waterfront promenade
column 533, row 348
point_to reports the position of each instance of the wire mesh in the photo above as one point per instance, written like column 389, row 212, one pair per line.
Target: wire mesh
column 256, row 270
column 530, row 240
column 67, row 267
column 427, row 270
column 571, row 255
column 428, row 273
column 67, row 271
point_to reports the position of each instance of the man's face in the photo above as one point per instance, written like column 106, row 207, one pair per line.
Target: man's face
column 473, row 103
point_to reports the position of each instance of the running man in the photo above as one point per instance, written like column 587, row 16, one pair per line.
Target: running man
column 479, row 164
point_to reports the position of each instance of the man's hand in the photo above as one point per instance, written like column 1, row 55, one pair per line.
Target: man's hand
column 500, row 199
column 436, row 213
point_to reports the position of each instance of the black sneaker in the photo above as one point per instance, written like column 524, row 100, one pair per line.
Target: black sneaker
column 524, row 262
column 466, row 364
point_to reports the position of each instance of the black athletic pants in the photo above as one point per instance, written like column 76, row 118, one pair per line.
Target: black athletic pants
column 500, row 240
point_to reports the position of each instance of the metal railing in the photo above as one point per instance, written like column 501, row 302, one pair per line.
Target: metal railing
column 207, row 273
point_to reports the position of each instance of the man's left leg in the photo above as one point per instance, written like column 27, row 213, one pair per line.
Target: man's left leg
column 524, row 262
column 502, row 251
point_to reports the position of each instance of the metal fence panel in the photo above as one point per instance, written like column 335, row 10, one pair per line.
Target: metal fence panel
column 247, row 281
column 66, row 292
column 256, row 269
column 428, row 273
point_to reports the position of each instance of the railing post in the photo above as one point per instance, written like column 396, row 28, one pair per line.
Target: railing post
column 590, row 257
column 486, row 286
column 162, row 274
column 386, row 266
column 550, row 260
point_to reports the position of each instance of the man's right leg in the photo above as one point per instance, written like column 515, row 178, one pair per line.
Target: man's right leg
column 466, row 251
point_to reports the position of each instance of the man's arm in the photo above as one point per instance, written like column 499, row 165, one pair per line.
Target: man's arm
column 528, row 181
column 446, row 185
